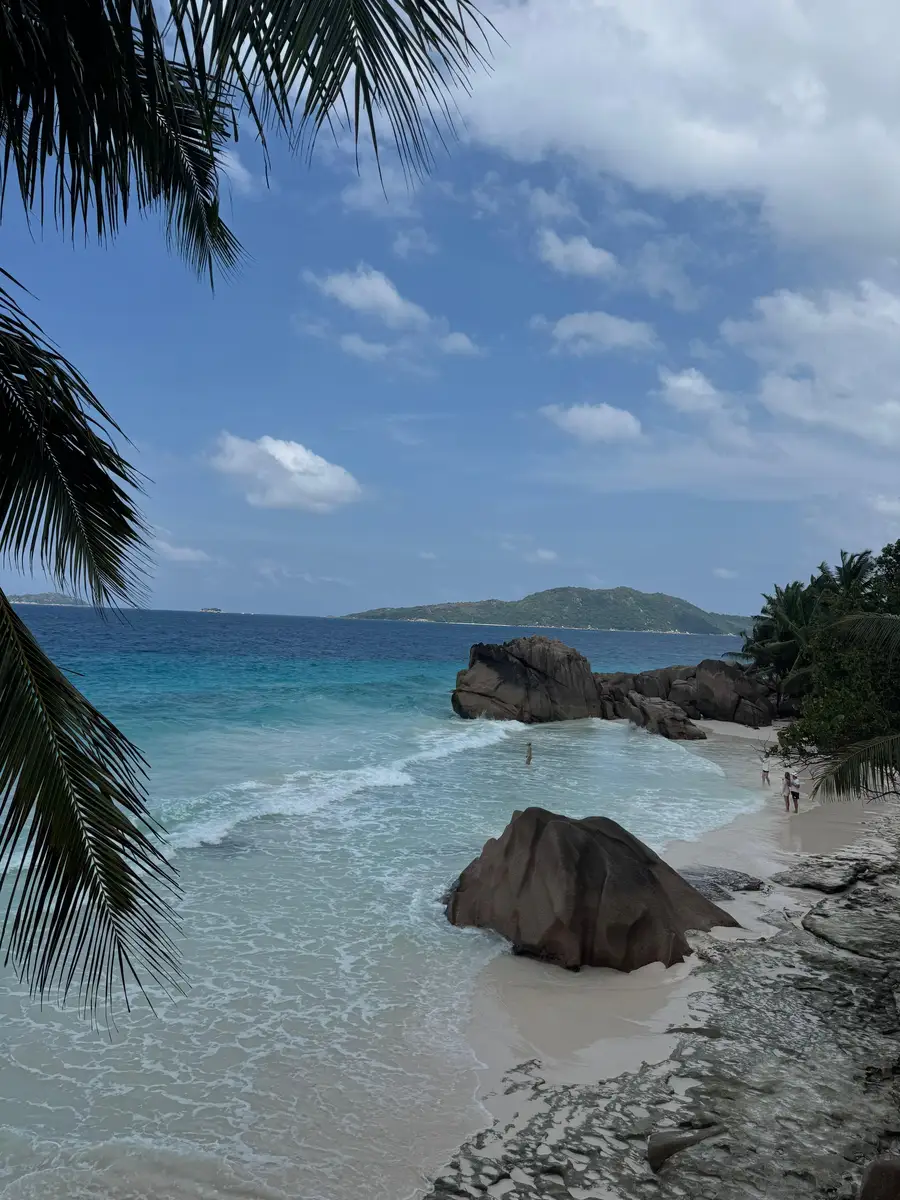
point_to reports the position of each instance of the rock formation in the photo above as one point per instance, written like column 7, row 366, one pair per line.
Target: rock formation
column 721, row 691
column 659, row 716
column 530, row 679
column 580, row 893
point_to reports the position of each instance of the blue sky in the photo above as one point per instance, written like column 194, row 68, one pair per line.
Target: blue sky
column 639, row 327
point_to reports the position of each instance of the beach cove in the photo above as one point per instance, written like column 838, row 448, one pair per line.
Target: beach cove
column 339, row 1035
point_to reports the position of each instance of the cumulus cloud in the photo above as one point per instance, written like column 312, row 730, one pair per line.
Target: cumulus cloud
column 886, row 506
column 369, row 293
column 724, row 573
column 556, row 206
column 831, row 359
column 575, row 255
column 798, row 112
column 238, row 175
column 372, row 294
column 385, row 193
column 541, row 555
column 179, row 554
column 598, row 332
column 594, row 422
column 413, row 243
column 689, row 391
column 282, row 474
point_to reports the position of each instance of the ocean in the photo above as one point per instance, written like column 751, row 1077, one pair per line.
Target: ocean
column 319, row 796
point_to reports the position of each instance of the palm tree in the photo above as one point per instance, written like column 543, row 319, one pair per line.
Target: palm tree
column 110, row 107
column 849, row 580
column 869, row 768
column 779, row 644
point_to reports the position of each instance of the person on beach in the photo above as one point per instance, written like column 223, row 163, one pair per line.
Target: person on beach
column 528, row 754
column 765, row 777
column 786, row 791
column 795, row 790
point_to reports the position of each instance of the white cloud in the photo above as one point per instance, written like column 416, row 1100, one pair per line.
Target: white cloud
column 886, row 506
column 594, row 422
column 360, row 347
column 689, row 391
column 575, row 255
column 458, row 343
column 658, row 270
column 180, row 554
column 556, row 206
column 387, row 194
column 239, row 176
column 372, row 294
column 541, row 556
column 597, row 332
column 427, row 556
column 724, row 573
column 282, row 474
column 829, row 360
column 794, row 107
column 413, row 243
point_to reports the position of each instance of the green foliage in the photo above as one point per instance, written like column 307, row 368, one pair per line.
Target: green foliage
column 574, row 608
column 832, row 644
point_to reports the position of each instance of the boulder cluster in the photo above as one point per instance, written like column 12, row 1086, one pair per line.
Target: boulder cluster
column 539, row 679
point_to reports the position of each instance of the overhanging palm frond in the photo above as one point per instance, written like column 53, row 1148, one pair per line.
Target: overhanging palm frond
column 86, row 889
column 876, row 631
column 870, row 769
column 300, row 60
column 64, row 489
column 95, row 116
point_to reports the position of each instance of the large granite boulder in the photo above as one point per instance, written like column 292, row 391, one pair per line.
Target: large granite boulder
column 724, row 691
column 580, row 893
column 530, row 679
column 881, row 1180
column 660, row 716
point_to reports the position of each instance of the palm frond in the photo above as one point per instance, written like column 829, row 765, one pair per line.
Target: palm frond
column 64, row 489
column 870, row 768
column 879, row 632
column 96, row 117
column 300, row 61
column 87, row 891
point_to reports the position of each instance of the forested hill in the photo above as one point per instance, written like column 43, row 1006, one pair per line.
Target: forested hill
column 574, row 608
column 52, row 598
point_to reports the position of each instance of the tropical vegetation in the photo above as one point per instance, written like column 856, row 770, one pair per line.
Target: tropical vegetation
column 828, row 648
column 107, row 110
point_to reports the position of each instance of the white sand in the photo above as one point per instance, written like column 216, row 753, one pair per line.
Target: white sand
column 598, row 1023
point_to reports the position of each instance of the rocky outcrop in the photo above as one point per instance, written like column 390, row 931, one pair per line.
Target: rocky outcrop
column 580, row 893
column 660, row 716
column 720, row 883
column 530, row 679
column 881, row 1180
column 719, row 690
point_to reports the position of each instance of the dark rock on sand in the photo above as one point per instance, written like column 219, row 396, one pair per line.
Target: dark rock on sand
column 530, row 679
column 719, row 883
column 666, row 1142
column 580, row 893
column 881, row 1180
column 843, row 922
column 726, row 692
column 660, row 716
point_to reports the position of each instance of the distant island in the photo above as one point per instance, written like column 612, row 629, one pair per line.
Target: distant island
column 53, row 598
column 213, row 610
column 574, row 608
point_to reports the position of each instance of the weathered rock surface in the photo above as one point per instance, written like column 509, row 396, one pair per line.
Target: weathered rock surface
column 666, row 1142
column 719, row 883
column 530, row 679
column 662, row 717
column 716, row 689
column 834, row 872
column 793, row 1051
column 580, row 893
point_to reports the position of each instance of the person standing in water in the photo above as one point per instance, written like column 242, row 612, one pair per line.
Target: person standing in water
column 765, row 777
column 786, row 791
column 795, row 790
column 528, row 754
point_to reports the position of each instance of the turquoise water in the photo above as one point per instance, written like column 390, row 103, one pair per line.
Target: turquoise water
column 319, row 796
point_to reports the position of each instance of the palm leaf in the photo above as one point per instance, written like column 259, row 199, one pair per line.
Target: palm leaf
column 878, row 632
column 867, row 768
column 87, row 890
column 65, row 491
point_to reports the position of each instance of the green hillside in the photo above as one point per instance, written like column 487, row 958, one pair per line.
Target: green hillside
column 573, row 608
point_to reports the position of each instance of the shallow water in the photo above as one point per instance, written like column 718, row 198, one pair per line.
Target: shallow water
column 320, row 796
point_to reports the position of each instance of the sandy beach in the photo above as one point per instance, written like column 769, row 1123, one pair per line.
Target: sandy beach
column 576, row 1030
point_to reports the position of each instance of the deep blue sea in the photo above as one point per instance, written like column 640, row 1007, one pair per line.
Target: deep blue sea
column 319, row 796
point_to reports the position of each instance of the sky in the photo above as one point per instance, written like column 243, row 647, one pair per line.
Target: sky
column 640, row 326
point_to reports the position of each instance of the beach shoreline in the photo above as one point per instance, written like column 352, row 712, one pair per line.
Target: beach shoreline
column 574, row 1031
